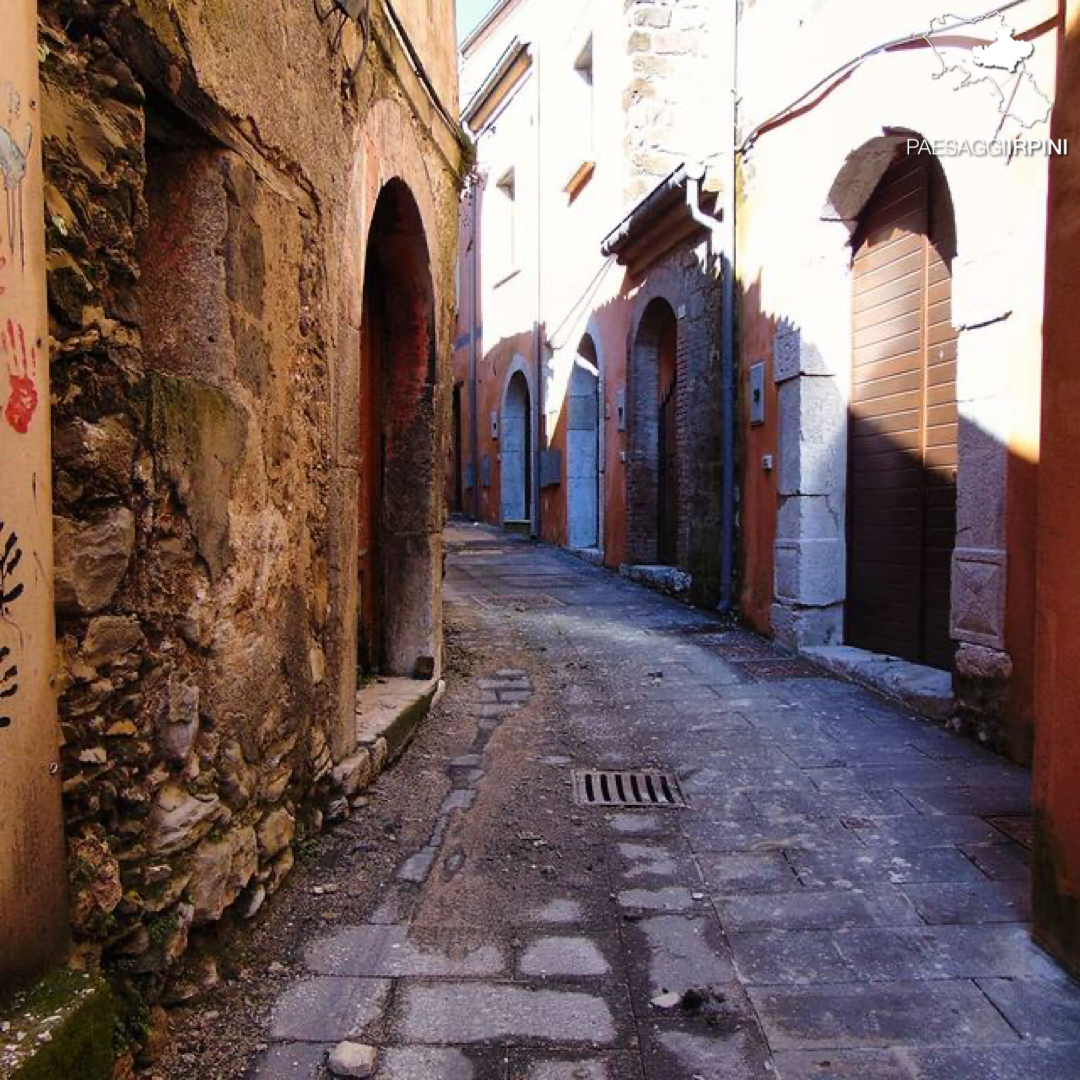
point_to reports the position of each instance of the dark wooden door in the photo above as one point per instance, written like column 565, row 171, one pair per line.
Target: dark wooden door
column 667, row 534
column 371, row 477
column 904, row 420
column 457, row 499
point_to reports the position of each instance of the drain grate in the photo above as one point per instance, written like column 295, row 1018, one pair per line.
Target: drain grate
column 637, row 787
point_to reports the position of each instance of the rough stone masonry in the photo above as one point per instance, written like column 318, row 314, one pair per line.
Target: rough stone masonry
column 198, row 163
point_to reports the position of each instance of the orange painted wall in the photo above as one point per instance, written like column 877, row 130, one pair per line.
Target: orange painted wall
column 1021, row 517
column 613, row 321
column 553, row 499
column 1056, row 864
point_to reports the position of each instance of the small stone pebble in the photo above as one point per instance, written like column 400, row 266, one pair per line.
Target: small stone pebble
column 667, row 1001
column 349, row 1059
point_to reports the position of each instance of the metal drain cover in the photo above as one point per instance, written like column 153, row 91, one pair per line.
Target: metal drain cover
column 634, row 787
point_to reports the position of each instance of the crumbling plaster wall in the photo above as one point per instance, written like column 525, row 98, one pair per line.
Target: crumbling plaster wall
column 204, row 219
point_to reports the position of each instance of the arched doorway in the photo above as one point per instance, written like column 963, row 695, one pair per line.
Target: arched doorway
column 904, row 421
column 653, row 493
column 583, row 450
column 397, row 511
column 517, row 452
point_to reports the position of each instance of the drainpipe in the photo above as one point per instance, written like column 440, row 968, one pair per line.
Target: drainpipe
column 728, row 329
column 474, row 333
column 538, row 426
column 723, row 241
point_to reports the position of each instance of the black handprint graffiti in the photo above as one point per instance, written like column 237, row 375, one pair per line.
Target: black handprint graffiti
column 10, row 557
column 8, row 686
column 10, row 591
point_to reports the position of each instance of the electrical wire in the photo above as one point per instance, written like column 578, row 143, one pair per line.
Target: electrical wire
column 421, row 71
column 851, row 65
column 585, row 299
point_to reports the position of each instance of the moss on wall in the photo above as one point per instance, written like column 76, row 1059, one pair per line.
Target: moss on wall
column 63, row 1027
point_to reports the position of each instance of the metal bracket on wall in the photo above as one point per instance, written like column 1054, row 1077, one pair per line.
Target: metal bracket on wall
column 358, row 11
column 550, row 468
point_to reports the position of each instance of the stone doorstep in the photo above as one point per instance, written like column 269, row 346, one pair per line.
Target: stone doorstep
column 669, row 580
column 61, row 1027
column 926, row 690
column 592, row 556
column 391, row 709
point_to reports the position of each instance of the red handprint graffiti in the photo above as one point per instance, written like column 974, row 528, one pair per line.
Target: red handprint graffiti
column 22, row 374
column 3, row 265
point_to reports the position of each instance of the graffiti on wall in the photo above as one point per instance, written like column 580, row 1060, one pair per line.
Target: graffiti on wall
column 11, row 588
column 20, row 356
column 16, row 138
column 22, row 377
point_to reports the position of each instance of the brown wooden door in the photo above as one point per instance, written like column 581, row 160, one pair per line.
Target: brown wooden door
column 904, row 421
column 667, row 530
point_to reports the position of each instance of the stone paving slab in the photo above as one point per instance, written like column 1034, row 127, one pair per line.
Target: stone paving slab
column 877, row 954
column 571, row 1065
column 438, row 1063
column 290, row 1061
column 712, row 837
column 396, row 951
column 463, row 1013
column 789, row 957
column 865, row 804
column 879, row 1015
column 982, row 802
column 729, row 1046
column 649, row 863
column 997, row 1063
column 1046, row 1009
column 974, row 902
column 1000, row 862
column 950, row 830
column 839, row 869
column 567, row 957
column 674, row 954
column 818, row 909
column 665, row 898
column 323, row 1010
column 727, row 875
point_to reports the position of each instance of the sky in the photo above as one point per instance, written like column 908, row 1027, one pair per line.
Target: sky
column 469, row 14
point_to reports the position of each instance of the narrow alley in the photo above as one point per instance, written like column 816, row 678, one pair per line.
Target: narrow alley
column 845, row 894
column 539, row 540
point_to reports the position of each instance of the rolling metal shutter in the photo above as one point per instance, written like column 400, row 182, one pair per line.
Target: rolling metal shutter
column 904, row 422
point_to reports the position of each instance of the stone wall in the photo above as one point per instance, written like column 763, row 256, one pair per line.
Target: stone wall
column 668, row 118
column 693, row 294
column 196, row 212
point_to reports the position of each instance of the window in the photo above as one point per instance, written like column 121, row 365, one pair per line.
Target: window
column 583, row 66
column 506, row 236
column 582, row 111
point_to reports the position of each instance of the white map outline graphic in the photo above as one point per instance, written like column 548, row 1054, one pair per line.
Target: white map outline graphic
column 1001, row 64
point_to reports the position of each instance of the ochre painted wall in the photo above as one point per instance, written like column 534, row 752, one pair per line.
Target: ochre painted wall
column 32, row 878
column 1057, row 749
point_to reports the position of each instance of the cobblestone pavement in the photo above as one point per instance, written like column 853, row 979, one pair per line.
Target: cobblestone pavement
column 845, row 895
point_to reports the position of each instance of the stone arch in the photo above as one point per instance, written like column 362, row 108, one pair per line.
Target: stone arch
column 583, row 449
column 516, row 453
column 653, row 372
column 816, row 395
column 396, row 554
column 387, row 155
